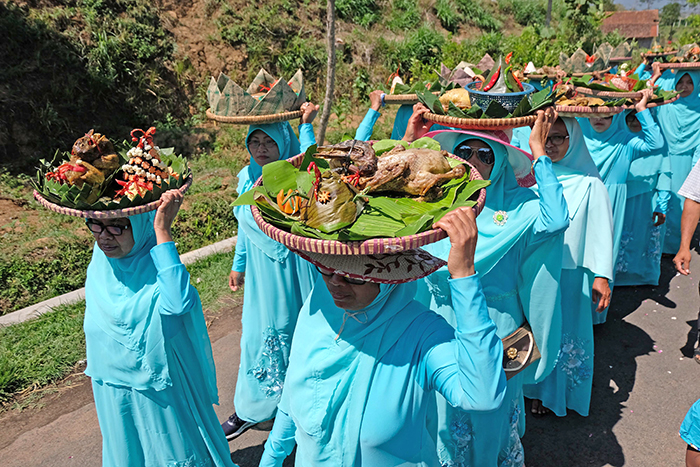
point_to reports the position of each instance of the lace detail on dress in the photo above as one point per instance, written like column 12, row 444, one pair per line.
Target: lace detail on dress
column 622, row 264
column 503, row 296
column 515, row 456
column 654, row 247
column 462, row 435
column 191, row 462
column 573, row 360
column 272, row 365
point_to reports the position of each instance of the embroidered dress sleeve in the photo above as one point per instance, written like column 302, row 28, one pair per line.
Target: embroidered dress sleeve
column 281, row 441
column 468, row 370
column 239, row 258
column 651, row 140
column 364, row 131
column 306, row 136
column 554, row 213
column 177, row 295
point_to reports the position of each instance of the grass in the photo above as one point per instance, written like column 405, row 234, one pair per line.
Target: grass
column 39, row 352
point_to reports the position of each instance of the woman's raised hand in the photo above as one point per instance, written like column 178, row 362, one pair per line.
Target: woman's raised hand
column 540, row 131
column 170, row 203
column 460, row 225
column 417, row 126
column 375, row 100
column 647, row 94
column 309, row 112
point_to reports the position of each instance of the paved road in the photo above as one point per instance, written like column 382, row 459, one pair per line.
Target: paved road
column 644, row 383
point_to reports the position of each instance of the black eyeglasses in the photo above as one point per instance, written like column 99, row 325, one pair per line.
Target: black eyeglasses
column 556, row 140
column 98, row 228
column 330, row 273
column 485, row 155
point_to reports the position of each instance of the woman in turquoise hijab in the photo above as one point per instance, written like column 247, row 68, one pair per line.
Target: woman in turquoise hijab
column 518, row 258
column 639, row 259
column 367, row 358
column 613, row 148
column 587, row 268
column 148, row 351
column 276, row 284
column 680, row 124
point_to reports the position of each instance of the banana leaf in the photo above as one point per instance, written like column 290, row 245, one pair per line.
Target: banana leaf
column 425, row 143
column 585, row 82
column 431, row 101
column 385, row 145
column 279, row 175
column 495, row 110
column 340, row 211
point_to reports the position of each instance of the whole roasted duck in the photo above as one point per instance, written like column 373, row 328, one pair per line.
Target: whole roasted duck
column 411, row 171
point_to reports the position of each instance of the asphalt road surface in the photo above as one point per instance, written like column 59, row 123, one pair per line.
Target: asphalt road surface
column 645, row 381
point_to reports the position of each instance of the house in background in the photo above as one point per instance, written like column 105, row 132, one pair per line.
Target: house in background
column 642, row 26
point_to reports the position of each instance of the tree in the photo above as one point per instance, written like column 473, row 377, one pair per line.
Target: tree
column 330, row 72
column 670, row 13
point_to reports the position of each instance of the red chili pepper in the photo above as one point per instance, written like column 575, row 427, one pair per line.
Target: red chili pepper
column 146, row 138
column 317, row 173
column 508, row 57
column 494, row 78
column 520, row 85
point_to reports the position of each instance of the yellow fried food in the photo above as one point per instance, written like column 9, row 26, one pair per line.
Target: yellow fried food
column 458, row 96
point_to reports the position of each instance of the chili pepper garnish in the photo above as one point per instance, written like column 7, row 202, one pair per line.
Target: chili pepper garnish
column 494, row 78
column 317, row 173
column 146, row 138
column 508, row 57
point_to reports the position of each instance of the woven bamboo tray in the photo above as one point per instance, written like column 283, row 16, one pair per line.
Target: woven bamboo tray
column 655, row 104
column 575, row 75
column 611, row 94
column 401, row 99
column 112, row 214
column 481, row 123
column 587, row 112
column 682, row 65
column 366, row 247
column 620, row 59
column 662, row 54
column 255, row 119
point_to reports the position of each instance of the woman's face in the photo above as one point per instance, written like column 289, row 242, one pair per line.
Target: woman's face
column 685, row 85
column 115, row 245
column 557, row 141
column 600, row 124
column 263, row 148
column 350, row 296
column 479, row 154
column 633, row 123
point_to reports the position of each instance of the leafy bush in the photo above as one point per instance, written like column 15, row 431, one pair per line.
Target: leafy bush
column 404, row 15
column 446, row 11
column 525, row 12
column 362, row 12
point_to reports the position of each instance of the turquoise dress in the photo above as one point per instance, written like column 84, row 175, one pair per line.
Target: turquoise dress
column 518, row 258
column 639, row 258
column 360, row 384
column 276, row 285
column 364, row 131
column 588, row 246
column 690, row 428
column 613, row 150
column 680, row 124
column 401, row 121
column 149, row 358
column 643, row 71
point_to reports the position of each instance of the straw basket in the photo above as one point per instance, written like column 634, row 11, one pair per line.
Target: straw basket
column 609, row 94
column 366, row 247
column 401, row 99
column 255, row 119
column 619, row 59
column 587, row 112
column 661, row 55
column 575, row 75
column 680, row 66
column 655, row 104
column 480, row 123
column 581, row 75
column 111, row 214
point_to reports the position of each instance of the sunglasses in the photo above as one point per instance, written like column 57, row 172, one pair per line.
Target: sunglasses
column 485, row 155
column 97, row 228
column 330, row 273
column 556, row 140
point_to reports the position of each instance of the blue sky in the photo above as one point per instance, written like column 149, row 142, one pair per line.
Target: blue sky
column 652, row 4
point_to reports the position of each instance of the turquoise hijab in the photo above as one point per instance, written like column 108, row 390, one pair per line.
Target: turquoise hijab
column 588, row 242
column 540, row 265
column 401, row 121
column 680, row 121
column 505, row 195
column 643, row 174
column 607, row 148
column 334, row 354
column 125, row 336
column 288, row 146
